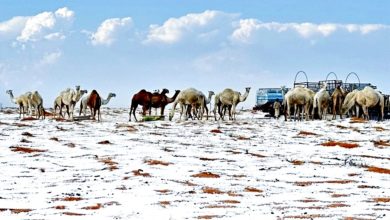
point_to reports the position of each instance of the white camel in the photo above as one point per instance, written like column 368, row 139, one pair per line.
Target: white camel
column 84, row 102
column 366, row 98
column 229, row 99
column 321, row 101
column 35, row 101
column 69, row 98
column 297, row 97
column 188, row 97
column 21, row 101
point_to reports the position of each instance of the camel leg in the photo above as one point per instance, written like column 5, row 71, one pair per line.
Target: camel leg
column 131, row 108
column 207, row 113
column 339, row 109
column 81, row 108
column 162, row 110
column 231, row 113
column 222, row 112
column 288, row 111
column 334, row 111
column 134, row 109
column 295, row 111
column 382, row 112
column 215, row 111
column 319, row 112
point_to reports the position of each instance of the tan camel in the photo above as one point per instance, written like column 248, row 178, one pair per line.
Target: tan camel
column 35, row 101
column 69, row 98
column 195, row 112
column 298, row 97
column 348, row 99
column 321, row 101
column 338, row 96
column 188, row 97
column 21, row 101
column 366, row 98
column 229, row 99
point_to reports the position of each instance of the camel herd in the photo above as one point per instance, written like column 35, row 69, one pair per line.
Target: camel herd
column 193, row 103
column 302, row 98
column 32, row 101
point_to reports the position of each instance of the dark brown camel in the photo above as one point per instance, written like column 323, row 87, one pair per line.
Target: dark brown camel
column 160, row 100
column 94, row 103
column 143, row 98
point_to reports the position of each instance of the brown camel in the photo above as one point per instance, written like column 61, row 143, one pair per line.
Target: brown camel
column 338, row 96
column 143, row 98
column 94, row 103
column 160, row 100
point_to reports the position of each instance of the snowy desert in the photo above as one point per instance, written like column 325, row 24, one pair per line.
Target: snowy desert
column 251, row 168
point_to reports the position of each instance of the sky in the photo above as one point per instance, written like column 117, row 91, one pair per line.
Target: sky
column 124, row 46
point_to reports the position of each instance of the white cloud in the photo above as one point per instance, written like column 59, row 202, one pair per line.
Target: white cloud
column 50, row 58
column 64, row 13
column 110, row 29
column 44, row 25
column 248, row 27
column 55, row 36
column 201, row 24
column 12, row 27
column 36, row 25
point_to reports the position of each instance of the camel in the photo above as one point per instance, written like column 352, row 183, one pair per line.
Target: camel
column 94, row 103
column 321, row 101
column 36, row 102
column 187, row 97
column 366, row 98
column 338, row 96
column 348, row 98
column 58, row 104
column 297, row 97
column 387, row 102
column 69, row 98
column 84, row 101
column 195, row 111
column 160, row 100
column 228, row 98
column 143, row 98
column 21, row 101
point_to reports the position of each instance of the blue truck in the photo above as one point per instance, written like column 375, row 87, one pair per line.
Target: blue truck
column 265, row 98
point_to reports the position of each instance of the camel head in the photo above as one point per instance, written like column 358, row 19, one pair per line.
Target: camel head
column 111, row 95
column 211, row 93
column 82, row 92
column 9, row 92
column 77, row 88
column 164, row 91
column 349, row 101
column 247, row 89
column 324, row 85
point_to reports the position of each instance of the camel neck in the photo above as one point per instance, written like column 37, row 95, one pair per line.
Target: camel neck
column 106, row 101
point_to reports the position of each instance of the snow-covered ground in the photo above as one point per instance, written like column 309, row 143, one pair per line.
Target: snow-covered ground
column 252, row 168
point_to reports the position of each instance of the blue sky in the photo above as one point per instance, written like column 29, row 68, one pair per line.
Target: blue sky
column 124, row 46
